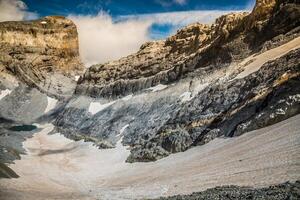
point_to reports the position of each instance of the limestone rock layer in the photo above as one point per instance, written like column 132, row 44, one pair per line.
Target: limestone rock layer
column 34, row 50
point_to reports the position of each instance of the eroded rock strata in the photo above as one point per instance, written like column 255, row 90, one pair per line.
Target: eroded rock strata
column 38, row 59
column 228, row 109
column 198, row 47
column 207, row 81
column 41, row 52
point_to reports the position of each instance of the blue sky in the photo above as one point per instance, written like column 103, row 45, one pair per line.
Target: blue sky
column 117, row 8
column 130, row 7
column 111, row 29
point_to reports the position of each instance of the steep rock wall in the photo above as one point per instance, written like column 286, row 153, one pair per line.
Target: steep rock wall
column 33, row 51
column 197, row 47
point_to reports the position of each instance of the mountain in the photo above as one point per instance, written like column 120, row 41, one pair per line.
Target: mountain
column 39, row 60
column 40, row 53
column 213, row 105
column 237, row 75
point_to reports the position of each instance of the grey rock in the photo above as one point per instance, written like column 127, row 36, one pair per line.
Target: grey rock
column 276, row 192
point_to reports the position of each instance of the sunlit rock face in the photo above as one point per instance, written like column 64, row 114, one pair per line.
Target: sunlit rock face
column 33, row 51
column 261, row 12
column 201, row 47
column 159, row 62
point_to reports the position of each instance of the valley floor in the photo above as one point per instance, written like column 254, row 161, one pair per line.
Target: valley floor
column 58, row 168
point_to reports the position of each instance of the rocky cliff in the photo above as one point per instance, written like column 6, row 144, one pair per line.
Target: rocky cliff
column 35, row 51
column 158, row 62
column 207, row 81
column 203, row 92
column 38, row 59
column 200, row 47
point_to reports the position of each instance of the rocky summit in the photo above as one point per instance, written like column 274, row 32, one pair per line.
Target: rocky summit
column 211, row 112
column 34, row 51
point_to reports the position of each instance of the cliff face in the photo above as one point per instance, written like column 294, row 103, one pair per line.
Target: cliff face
column 232, row 38
column 33, row 51
column 156, row 62
column 38, row 59
column 207, row 81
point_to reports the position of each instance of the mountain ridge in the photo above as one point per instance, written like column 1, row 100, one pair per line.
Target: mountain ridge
column 209, row 106
column 231, row 38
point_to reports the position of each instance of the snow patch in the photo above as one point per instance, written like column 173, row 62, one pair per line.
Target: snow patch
column 96, row 107
column 198, row 88
column 122, row 130
column 186, row 96
column 43, row 22
column 157, row 88
column 3, row 93
column 51, row 104
column 280, row 111
column 78, row 168
column 126, row 98
column 77, row 78
column 271, row 54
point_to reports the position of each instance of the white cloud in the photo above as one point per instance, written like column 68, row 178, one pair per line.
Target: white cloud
column 250, row 5
column 101, row 40
column 14, row 10
column 179, row 18
column 168, row 3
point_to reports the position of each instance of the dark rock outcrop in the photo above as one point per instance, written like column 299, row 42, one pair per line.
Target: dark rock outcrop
column 276, row 192
column 11, row 146
column 229, row 109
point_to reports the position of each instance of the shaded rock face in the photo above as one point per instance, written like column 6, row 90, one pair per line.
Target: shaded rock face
column 261, row 13
column 198, row 46
column 160, row 123
column 273, row 18
column 34, row 50
column 23, row 104
column 11, row 147
column 230, row 109
column 275, row 192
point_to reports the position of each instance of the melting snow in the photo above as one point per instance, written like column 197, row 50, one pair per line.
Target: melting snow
column 122, row 130
column 157, row 87
column 3, row 93
column 271, row 54
column 127, row 97
column 97, row 106
column 280, row 111
column 77, row 78
column 186, row 96
column 77, row 169
column 51, row 104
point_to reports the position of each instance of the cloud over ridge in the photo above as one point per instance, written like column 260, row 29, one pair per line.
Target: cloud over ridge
column 14, row 10
column 103, row 38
